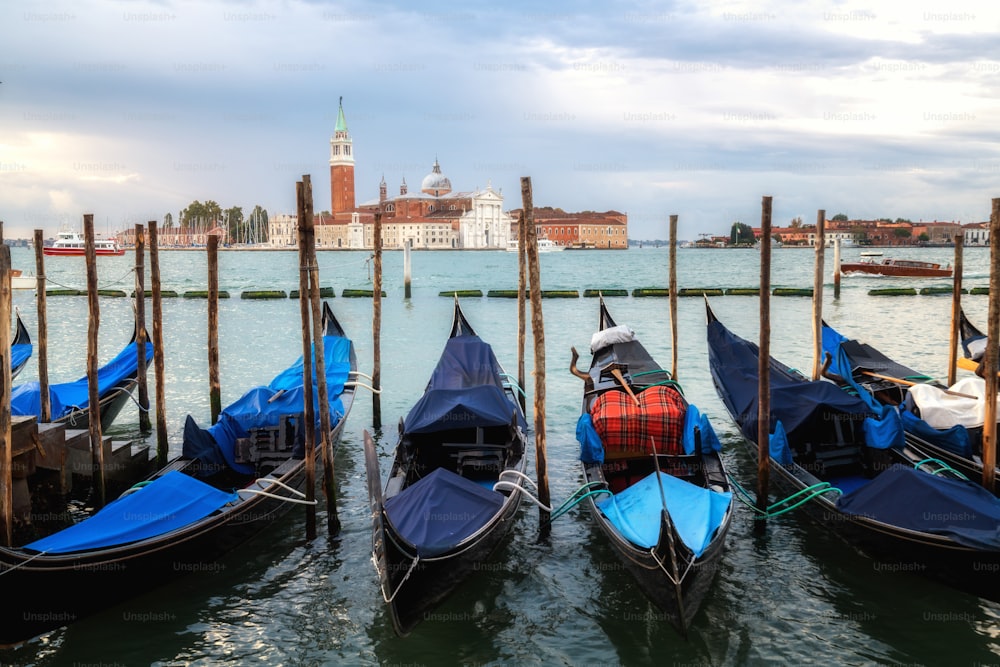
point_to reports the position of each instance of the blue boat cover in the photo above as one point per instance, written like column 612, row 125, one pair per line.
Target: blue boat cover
column 25, row 399
column 907, row 498
column 465, row 391
column 808, row 410
column 264, row 406
column 19, row 355
column 166, row 504
column 955, row 439
column 591, row 447
column 440, row 510
column 696, row 511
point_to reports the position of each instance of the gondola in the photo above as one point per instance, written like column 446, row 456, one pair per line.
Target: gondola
column 863, row 480
column 455, row 483
column 944, row 422
column 670, row 535
column 973, row 343
column 230, row 481
column 70, row 401
column 20, row 348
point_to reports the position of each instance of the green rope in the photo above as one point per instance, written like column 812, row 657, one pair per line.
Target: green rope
column 512, row 381
column 810, row 492
column 667, row 383
column 922, row 378
column 944, row 466
column 562, row 509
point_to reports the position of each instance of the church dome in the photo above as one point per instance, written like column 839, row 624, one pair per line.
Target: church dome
column 436, row 183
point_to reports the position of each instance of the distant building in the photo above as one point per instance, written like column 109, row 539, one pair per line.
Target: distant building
column 435, row 217
column 976, row 234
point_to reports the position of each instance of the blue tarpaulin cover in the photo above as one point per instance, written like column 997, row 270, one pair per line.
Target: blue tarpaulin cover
column 440, row 510
column 168, row 503
column 591, row 447
column 25, row 399
column 808, row 410
column 263, row 406
column 865, row 357
column 693, row 418
column 19, row 354
column 465, row 391
column 909, row 498
column 696, row 511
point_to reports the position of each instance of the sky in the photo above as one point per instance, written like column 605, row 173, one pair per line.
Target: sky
column 132, row 110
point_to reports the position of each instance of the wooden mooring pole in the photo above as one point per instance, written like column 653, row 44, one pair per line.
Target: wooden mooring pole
column 836, row 268
column 673, row 296
column 763, row 368
column 407, row 268
column 214, row 378
column 43, row 329
column 93, row 326
column 817, row 321
column 162, row 446
column 956, row 310
column 141, row 335
column 6, row 444
column 538, row 331
column 377, row 324
column 992, row 354
column 329, row 484
column 304, row 311
column 522, row 286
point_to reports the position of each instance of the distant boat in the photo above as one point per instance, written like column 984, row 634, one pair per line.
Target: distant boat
column 69, row 242
column 18, row 281
column 544, row 245
column 909, row 268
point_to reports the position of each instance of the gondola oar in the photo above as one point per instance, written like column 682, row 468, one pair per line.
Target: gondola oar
column 910, row 383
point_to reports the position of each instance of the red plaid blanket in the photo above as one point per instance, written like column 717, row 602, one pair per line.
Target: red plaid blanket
column 626, row 428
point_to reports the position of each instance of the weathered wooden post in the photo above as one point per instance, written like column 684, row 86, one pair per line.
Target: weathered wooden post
column 329, row 484
column 538, row 330
column 93, row 326
column 836, row 268
column 992, row 355
column 304, row 310
column 162, row 446
column 763, row 369
column 43, row 329
column 406, row 268
column 214, row 378
column 673, row 296
column 817, row 322
column 377, row 324
column 6, row 446
column 140, row 326
column 522, row 280
column 956, row 310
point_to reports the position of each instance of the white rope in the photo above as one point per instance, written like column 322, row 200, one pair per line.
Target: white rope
column 413, row 564
column 504, row 484
column 258, row 492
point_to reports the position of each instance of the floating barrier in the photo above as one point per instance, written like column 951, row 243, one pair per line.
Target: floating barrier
column 324, row 293
column 560, row 294
column 203, row 294
column 743, row 291
column 504, row 293
column 650, row 291
column 700, row 291
column 359, row 293
column 930, row 291
column 605, row 292
column 893, row 291
column 164, row 293
column 792, row 291
column 461, row 293
column 111, row 292
column 264, row 294
column 63, row 292
column 982, row 291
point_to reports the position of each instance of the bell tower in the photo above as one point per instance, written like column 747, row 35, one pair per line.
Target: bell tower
column 341, row 166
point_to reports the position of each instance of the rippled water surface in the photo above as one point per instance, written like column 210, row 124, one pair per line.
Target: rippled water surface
column 794, row 595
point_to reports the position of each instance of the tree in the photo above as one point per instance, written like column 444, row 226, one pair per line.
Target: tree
column 741, row 234
column 840, row 217
column 796, row 222
column 168, row 221
column 257, row 220
column 902, row 220
column 923, row 238
column 902, row 233
column 235, row 228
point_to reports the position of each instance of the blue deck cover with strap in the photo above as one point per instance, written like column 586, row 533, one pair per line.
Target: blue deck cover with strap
column 440, row 510
column 264, row 406
column 696, row 511
column 168, row 503
column 25, row 399
column 908, row 498
column 19, row 354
